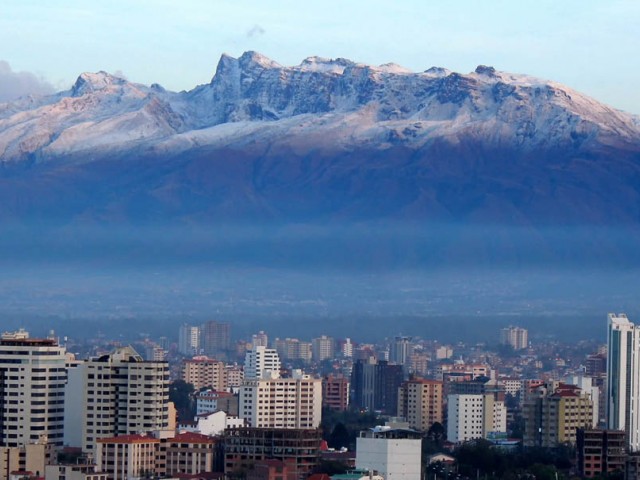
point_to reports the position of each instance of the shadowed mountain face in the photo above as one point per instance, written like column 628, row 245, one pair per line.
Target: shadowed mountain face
column 328, row 162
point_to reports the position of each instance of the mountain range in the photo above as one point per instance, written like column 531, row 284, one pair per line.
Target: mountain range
column 482, row 165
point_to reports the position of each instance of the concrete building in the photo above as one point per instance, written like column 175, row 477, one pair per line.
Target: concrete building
column 115, row 394
column 73, row 472
column 347, row 348
column 260, row 339
column 335, row 392
column 204, row 372
column 32, row 381
column 552, row 414
column 515, row 337
column 394, row 453
column 213, row 423
column 375, row 384
column 600, row 452
column 127, row 457
column 400, row 350
column 213, row 401
column 585, row 384
column 421, row 403
column 299, row 448
column 215, row 338
column 293, row 349
column 261, row 363
column 623, row 388
column 234, row 375
column 189, row 340
column 471, row 417
column 323, row 348
column 185, row 454
column 282, row 402
column 32, row 457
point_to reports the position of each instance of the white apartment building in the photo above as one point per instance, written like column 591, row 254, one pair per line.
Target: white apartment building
column 623, row 371
column 516, row 337
column 32, row 380
column 261, row 362
column 115, row 394
column 189, row 340
column 394, row 453
column 260, row 339
column 282, row 402
column 347, row 348
column 474, row 416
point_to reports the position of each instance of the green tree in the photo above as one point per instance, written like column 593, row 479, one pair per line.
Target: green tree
column 181, row 394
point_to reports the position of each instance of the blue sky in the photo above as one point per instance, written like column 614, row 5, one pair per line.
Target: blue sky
column 589, row 45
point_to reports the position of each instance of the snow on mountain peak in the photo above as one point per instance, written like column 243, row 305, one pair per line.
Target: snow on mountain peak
column 325, row 65
column 90, row 82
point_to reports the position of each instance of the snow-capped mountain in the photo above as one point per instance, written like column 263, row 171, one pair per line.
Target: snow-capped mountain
column 326, row 140
column 330, row 101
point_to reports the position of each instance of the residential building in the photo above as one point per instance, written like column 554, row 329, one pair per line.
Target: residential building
column 185, row 454
column 31, row 457
column 234, row 375
column 515, row 337
column 623, row 371
column 115, row 394
column 473, row 416
column 323, row 348
column 335, row 392
column 213, row 401
column 215, row 339
column 600, row 452
column 394, row 453
column 585, row 384
column 127, row 457
column 262, row 363
column 400, row 350
column 293, row 349
column 189, row 340
column 79, row 471
column 204, row 372
column 32, row 381
column 282, row 402
column 421, row 403
column 552, row 414
column 260, row 339
column 347, row 348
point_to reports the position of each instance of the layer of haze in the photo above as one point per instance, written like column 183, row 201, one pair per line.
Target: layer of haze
column 589, row 45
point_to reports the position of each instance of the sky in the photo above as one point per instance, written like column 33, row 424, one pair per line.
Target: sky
column 589, row 45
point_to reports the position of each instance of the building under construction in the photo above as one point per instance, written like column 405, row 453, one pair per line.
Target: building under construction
column 246, row 446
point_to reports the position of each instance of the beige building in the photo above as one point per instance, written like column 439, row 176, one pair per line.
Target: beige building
column 116, row 394
column 73, row 472
column 282, row 403
column 32, row 381
column 204, row 372
column 33, row 457
column 552, row 414
column 421, row 402
column 126, row 457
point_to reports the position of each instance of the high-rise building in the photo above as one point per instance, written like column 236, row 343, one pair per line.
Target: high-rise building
column 204, row 372
column 516, row 337
column 282, row 402
column 623, row 371
column 374, row 385
column 189, row 340
column 473, row 416
column 553, row 412
column 400, row 350
column 335, row 392
column 215, row 338
column 323, row 348
column 421, row 403
column 347, row 348
column 32, row 379
column 293, row 349
column 260, row 339
column 115, row 394
column 600, row 452
column 262, row 363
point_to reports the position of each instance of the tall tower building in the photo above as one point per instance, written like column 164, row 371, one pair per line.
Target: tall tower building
column 323, row 348
column 215, row 338
column 189, row 340
column 115, row 394
column 260, row 339
column 516, row 337
column 400, row 350
column 623, row 372
column 32, row 379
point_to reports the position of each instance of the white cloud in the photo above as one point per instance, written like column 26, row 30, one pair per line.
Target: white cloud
column 18, row 84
